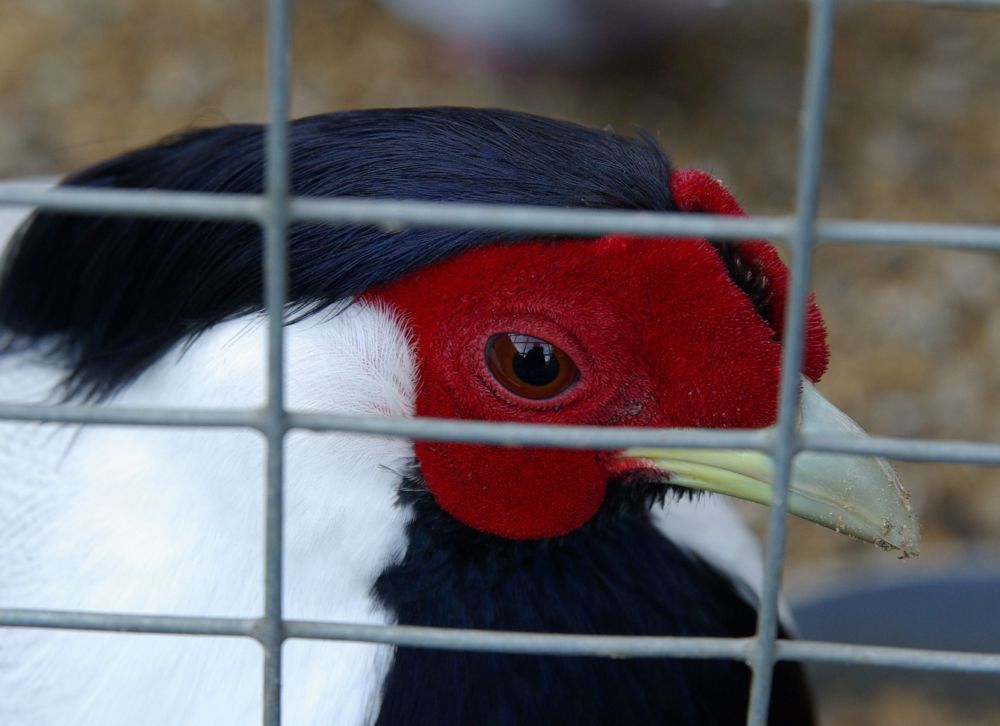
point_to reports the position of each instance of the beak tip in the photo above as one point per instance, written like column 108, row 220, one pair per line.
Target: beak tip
column 904, row 538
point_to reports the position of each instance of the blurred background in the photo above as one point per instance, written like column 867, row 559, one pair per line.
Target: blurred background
column 913, row 134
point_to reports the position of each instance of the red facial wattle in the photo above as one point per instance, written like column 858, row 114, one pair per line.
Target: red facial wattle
column 659, row 333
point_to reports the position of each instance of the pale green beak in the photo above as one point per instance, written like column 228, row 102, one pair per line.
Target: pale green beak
column 854, row 495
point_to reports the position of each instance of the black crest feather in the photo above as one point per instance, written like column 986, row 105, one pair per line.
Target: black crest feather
column 109, row 295
column 106, row 296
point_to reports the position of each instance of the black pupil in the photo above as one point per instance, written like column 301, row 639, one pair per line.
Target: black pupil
column 535, row 364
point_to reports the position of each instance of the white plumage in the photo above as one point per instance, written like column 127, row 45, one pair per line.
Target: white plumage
column 169, row 521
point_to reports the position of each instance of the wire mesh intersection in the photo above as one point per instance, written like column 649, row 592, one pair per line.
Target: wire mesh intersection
column 276, row 209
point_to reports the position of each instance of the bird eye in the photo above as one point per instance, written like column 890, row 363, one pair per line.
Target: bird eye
column 530, row 367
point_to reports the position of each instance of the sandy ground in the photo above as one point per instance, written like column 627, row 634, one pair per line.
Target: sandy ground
column 913, row 134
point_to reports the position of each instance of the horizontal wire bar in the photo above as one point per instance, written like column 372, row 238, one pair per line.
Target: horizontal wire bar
column 508, row 642
column 888, row 656
column 393, row 213
column 633, row 646
column 540, row 435
column 460, row 215
column 493, row 641
column 516, row 434
column 399, row 214
column 905, row 449
column 113, row 416
column 973, row 237
column 136, row 202
column 127, row 622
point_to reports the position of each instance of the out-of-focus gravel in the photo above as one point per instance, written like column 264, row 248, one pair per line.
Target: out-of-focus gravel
column 913, row 133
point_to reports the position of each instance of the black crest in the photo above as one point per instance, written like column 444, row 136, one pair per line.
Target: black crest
column 106, row 296
column 109, row 295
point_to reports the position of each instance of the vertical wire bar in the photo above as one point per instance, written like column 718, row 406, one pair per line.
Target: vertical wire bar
column 275, row 230
column 815, row 96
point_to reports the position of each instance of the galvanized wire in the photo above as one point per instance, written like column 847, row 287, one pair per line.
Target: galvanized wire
column 561, row 436
column 813, row 118
column 277, row 184
column 275, row 210
column 395, row 213
column 497, row 641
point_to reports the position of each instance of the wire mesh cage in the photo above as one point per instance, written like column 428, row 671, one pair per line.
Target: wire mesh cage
column 802, row 231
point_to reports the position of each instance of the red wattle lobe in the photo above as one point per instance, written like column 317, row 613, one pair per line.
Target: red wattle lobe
column 517, row 493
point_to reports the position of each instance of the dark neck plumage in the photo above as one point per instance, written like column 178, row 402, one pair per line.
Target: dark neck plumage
column 617, row 575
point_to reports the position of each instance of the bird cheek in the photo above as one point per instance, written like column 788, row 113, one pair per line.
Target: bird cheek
column 513, row 493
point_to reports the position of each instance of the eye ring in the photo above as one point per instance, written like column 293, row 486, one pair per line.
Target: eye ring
column 530, row 367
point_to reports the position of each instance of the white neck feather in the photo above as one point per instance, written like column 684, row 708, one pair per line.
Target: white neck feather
column 169, row 521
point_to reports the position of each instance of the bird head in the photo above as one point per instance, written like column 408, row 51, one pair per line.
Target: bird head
column 623, row 331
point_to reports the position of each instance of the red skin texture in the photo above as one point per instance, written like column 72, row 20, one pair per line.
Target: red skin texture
column 696, row 191
column 659, row 332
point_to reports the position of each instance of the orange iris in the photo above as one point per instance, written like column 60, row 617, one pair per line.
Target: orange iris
column 530, row 367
